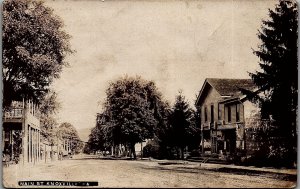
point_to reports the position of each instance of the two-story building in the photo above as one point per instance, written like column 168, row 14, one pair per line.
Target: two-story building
column 224, row 113
column 21, row 132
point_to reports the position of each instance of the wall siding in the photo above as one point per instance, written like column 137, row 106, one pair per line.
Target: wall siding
column 242, row 113
column 212, row 97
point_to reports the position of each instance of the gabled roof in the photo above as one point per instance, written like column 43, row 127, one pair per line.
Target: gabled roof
column 227, row 87
column 231, row 87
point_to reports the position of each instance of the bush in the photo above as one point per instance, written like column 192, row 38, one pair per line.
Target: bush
column 151, row 150
column 195, row 153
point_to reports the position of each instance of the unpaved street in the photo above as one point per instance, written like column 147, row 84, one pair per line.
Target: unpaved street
column 128, row 173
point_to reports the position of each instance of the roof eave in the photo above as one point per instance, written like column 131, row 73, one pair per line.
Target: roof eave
column 200, row 93
column 229, row 100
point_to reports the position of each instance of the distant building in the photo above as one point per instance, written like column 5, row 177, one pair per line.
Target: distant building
column 139, row 147
column 225, row 114
column 21, row 132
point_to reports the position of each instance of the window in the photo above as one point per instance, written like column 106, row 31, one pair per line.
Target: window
column 229, row 113
column 219, row 111
column 205, row 114
column 237, row 112
column 212, row 113
column 200, row 114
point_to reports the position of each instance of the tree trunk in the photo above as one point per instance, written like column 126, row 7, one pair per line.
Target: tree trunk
column 125, row 151
column 120, row 150
column 142, row 150
column 116, row 150
column 177, row 152
column 51, row 153
column 182, row 152
column 133, row 151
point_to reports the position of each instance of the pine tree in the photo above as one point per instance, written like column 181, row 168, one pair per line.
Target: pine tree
column 182, row 124
column 278, row 78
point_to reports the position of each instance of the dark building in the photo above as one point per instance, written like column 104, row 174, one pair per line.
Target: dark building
column 225, row 114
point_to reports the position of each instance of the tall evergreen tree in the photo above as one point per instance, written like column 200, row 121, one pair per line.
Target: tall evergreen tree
column 278, row 77
column 182, row 122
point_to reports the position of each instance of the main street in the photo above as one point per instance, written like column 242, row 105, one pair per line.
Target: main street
column 139, row 173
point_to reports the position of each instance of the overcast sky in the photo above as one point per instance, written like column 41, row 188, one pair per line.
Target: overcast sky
column 177, row 44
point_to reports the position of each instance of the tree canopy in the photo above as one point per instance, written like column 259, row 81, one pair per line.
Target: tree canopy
column 34, row 49
column 134, row 110
column 278, row 77
column 101, row 136
column 183, row 128
column 67, row 131
column 48, row 108
column 131, row 112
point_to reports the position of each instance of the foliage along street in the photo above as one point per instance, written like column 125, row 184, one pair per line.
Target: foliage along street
column 248, row 122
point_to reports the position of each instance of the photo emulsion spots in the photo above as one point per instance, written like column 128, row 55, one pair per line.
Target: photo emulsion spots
column 149, row 93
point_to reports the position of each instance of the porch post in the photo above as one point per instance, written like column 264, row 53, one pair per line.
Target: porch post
column 202, row 140
column 36, row 145
column 24, row 135
column 39, row 145
column 12, row 144
column 211, row 142
column 29, row 144
column 33, row 145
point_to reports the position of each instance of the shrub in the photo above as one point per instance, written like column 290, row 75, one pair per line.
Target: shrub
column 151, row 150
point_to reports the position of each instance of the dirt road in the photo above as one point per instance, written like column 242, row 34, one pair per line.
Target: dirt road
column 126, row 173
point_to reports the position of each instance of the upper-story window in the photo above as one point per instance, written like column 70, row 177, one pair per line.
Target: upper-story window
column 219, row 112
column 200, row 114
column 237, row 112
column 205, row 114
column 228, row 113
column 212, row 113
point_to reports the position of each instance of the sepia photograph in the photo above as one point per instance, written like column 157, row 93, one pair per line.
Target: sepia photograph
column 149, row 93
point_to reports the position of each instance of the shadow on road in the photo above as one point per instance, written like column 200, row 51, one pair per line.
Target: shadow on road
column 279, row 176
column 182, row 168
column 101, row 158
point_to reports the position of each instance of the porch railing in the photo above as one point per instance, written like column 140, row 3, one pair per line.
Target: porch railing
column 14, row 113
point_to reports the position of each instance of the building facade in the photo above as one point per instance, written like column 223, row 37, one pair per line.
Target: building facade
column 21, row 139
column 225, row 114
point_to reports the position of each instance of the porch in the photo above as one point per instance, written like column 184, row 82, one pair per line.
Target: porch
column 21, row 133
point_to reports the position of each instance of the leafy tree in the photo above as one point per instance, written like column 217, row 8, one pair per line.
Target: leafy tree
column 132, row 110
column 67, row 131
column 34, row 49
column 48, row 108
column 100, row 137
column 152, row 149
column 161, row 112
column 87, row 148
column 162, row 136
column 193, row 131
column 278, row 77
column 183, row 125
column 93, row 143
